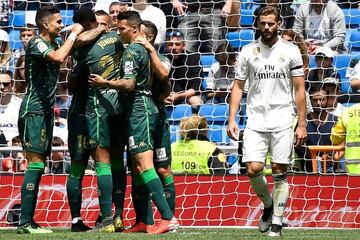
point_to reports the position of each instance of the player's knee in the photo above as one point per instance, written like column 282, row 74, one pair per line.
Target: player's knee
column 253, row 170
column 163, row 172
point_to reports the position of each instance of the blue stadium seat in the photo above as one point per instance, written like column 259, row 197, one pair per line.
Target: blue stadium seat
column 174, row 133
column 246, row 18
column 206, row 62
column 215, row 133
column 215, row 112
column 352, row 17
column 240, row 39
column 178, row 112
column 67, row 16
column 354, row 41
column 15, row 42
column 17, row 18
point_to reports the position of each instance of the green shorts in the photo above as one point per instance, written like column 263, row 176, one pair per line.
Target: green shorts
column 106, row 131
column 78, row 137
column 162, row 145
column 36, row 132
column 142, row 116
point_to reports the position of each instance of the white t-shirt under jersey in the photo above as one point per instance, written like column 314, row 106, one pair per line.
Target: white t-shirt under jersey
column 269, row 71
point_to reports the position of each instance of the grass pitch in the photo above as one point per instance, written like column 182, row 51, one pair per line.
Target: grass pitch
column 191, row 234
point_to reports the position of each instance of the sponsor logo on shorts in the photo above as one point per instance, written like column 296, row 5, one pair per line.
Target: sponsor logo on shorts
column 142, row 144
column 28, row 144
column 161, row 155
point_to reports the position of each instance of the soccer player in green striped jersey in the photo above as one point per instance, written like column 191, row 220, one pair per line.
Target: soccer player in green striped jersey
column 104, row 113
column 43, row 57
column 162, row 146
column 141, row 113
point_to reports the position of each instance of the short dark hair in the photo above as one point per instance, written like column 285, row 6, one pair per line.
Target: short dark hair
column 101, row 13
column 57, row 142
column 84, row 15
column 317, row 87
column 268, row 10
column 15, row 140
column 131, row 16
column 150, row 27
column 28, row 27
column 44, row 12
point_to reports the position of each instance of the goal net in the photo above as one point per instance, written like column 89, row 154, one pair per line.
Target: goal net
column 322, row 192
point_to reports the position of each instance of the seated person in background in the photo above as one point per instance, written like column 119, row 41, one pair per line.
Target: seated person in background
column 115, row 8
column 321, row 23
column 57, row 163
column 221, row 75
column 19, row 78
column 6, row 57
column 26, row 33
column 185, row 73
column 354, row 78
column 9, row 105
column 324, row 60
column 194, row 153
column 319, row 125
column 19, row 157
column 332, row 87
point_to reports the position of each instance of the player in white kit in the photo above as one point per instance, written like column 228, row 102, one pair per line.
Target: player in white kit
column 272, row 67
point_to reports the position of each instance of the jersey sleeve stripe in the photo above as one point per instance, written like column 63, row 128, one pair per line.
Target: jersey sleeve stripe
column 297, row 67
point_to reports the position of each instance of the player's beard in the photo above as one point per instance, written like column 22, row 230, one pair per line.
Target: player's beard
column 268, row 36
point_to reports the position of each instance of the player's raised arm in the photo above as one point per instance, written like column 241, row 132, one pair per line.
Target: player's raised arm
column 61, row 54
column 125, row 85
column 161, row 71
column 90, row 36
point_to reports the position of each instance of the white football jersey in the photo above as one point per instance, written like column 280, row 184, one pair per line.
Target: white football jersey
column 269, row 73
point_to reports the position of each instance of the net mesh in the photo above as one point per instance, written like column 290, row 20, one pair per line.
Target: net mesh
column 322, row 194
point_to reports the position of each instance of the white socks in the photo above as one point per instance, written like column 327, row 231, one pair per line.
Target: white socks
column 280, row 196
column 260, row 187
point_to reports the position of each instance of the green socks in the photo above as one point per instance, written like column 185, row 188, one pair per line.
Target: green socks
column 105, row 189
column 119, row 185
column 169, row 190
column 141, row 201
column 29, row 191
column 74, row 188
column 153, row 185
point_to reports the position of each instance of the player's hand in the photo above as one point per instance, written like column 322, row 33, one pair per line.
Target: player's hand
column 179, row 7
column 97, row 81
column 169, row 100
column 143, row 41
column 226, row 10
column 233, row 130
column 300, row 136
column 77, row 28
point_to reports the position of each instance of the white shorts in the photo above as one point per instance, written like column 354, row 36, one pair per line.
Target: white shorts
column 256, row 145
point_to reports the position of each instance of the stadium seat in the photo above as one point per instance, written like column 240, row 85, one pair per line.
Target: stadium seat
column 215, row 133
column 354, row 41
column 215, row 112
column 240, row 39
column 66, row 16
column 17, row 18
column 352, row 17
column 14, row 37
column 247, row 18
column 174, row 133
column 177, row 112
column 206, row 62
